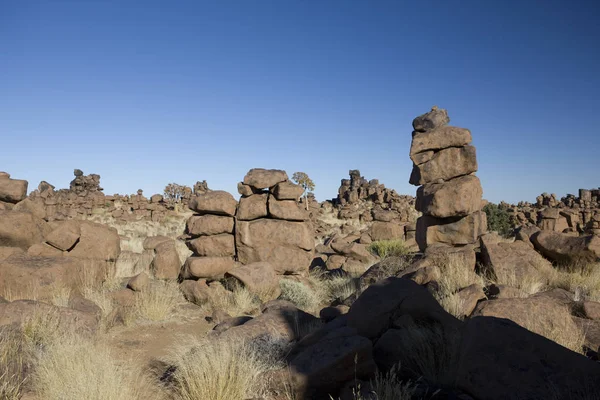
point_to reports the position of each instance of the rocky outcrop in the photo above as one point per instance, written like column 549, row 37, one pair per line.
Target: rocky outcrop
column 450, row 195
column 272, row 227
column 210, row 236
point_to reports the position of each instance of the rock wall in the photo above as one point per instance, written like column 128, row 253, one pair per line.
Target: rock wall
column 449, row 196
column 571, row 214
column 267, row 229
column 85, row 198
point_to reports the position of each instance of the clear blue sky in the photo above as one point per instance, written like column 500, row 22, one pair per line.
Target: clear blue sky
column 150, row 92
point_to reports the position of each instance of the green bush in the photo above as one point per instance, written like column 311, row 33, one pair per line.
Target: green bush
column 389, row 248
column 498, row 219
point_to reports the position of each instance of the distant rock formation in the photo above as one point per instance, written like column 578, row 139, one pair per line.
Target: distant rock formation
column 444, row 164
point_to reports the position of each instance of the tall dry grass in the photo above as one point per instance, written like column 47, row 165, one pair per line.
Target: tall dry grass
column 389, row 248
column 216, row 371
column 455, row 275
column 75, row 367
column 158, row 302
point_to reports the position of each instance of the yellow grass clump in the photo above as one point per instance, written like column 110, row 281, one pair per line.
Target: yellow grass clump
column 75, row 367
column 217, row 371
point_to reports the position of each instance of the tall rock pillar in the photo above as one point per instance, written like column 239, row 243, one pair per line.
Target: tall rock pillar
column 449, row 193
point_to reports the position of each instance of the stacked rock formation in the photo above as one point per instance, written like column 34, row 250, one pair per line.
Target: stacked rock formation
column 572, row 214
column 271, row 226
column 450, row 194
column 211, row 236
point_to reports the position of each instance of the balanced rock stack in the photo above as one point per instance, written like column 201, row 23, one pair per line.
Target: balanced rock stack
column 270, row 224
column 450, row 194
column 211, row 232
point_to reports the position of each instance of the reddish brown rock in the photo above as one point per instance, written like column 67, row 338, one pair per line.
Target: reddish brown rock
column 216, row 202
column 96, row 242
column 287, row 245
column 20, row 229
column 436, row 118
column 454, row 198
column 222, row 245
column 252, row 207
column 451, row 231
column 207, row 267
column 44, row 250
column 260, row 178
column 12, row 190
column 286, row 209
column 445, row 165
column 259, row 278
column 166, row 263
column 65, row 236
column 200, row 225
column 139, row 283
column 514, row 261
column 287, row 191
column 438, row 139
column 386, row 231
column 591, row 309
column 564, row 248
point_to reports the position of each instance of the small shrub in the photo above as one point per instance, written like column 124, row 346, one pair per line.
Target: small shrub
column 298, row 293
column 389, row 248
column 78, row 368
column 498, row 219
column 216, row 371
column 158, row 301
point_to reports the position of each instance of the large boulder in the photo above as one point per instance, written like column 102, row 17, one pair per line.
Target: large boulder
column 287, row 191
column 20, row 229
column 96, row 242
column 252, row 207
column 259, row 278
column 438, row 139
column 65, row 235
column 26, row 276
column 286, row 209
column 436, row 118
column 12, row 190
column 218, row 202
column 451, row 231
column 386, row 231
column 445, row 165
column 222, row 245
column 564, row 248
column 287, row 245
column 381, row 303
column 513, row 261
column 260, row 178
column 454, row 198
column 500, row 360
column 540, row 314
column 166, row 263
column 338, row 357
column 199, row 225
column 207, row 267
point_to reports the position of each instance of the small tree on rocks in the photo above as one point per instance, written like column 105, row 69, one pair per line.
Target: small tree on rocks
column 302, row 179
column 174, row 192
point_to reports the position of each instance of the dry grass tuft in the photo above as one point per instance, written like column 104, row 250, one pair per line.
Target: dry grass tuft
column 429, row 352
column 389, row 387
column 455, row 275
column 158, row 301
column 78, row 368
column 389, row 248
column 217, row 371
column 16, row 357
column 583, row 281
column 300, row 294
